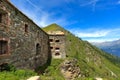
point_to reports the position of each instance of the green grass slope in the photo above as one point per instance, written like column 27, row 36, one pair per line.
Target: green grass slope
column 92, row 61
column 16, row 75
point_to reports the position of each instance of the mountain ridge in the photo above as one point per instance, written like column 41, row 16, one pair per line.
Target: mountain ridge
column 111, row 47
column 92, row 61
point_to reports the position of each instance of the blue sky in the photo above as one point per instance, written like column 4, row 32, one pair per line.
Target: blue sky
column 92, row 20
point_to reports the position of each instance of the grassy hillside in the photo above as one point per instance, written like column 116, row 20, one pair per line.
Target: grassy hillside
column 16, row 75
column 92, row 61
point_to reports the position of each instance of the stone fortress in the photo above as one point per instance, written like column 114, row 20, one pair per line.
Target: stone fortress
column 57, row 44
column 24, row 44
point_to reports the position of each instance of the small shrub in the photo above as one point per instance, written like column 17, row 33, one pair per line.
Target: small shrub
column 24, row 73
column 7, row 67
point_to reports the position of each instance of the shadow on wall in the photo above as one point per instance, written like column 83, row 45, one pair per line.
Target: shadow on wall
column 7, row 67
column 41, row 69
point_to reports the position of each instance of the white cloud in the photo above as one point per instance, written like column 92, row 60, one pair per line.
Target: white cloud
column 32, row 4
column 101, row 40
column 98, row 35
column 92, row 34
column 47, row 20
column 43, row 20
column 100, row 4
column 90, row 3
column 38, row 14
column 118, row 2
column 94, row 4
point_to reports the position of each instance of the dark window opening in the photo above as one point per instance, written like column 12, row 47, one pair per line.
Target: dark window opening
column 3, row 47
column 0, row 18
column 3, row 17
column 38, row 49
column 51, row 47
column 57, row 48
column 57, row 54
column 0, row 1
column 57, row 40
column 38, row 34
column 51, row 40
column 16, row 12
column 26, row 28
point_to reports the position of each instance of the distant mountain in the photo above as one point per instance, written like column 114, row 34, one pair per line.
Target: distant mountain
column 91, row 61
column 112, row 47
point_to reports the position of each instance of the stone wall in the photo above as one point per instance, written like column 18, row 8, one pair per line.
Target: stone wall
column 23, row 43
column 57, row 45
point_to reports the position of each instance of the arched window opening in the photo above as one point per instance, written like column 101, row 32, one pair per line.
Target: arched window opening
column 38, row 34
column 26, row 28
column 3, row 47
column 38, row 49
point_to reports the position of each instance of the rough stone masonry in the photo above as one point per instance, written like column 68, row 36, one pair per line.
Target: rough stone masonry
column 22, row 42
column 57, row 44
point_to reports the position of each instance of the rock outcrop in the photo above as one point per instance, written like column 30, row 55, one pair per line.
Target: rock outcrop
column 70, row 70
